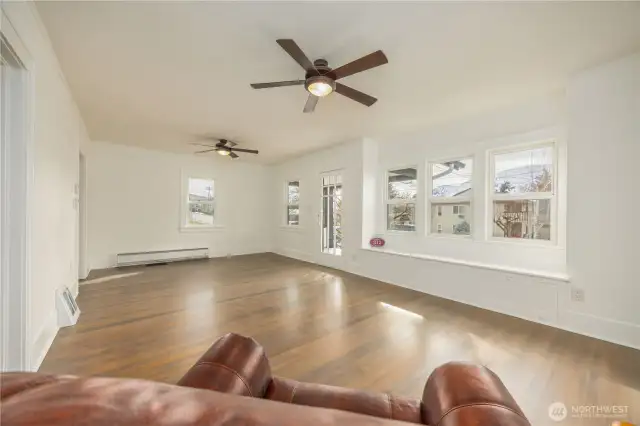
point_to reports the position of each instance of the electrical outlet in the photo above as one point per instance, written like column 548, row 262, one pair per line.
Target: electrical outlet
column 577, row 294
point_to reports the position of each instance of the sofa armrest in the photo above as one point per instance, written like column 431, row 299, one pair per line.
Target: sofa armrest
column 464, row 394
column 233, row 364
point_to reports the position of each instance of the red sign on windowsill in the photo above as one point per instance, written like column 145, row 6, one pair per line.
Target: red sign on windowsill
column 376, row 242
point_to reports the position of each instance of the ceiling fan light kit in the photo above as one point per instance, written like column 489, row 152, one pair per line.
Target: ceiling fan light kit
column 320, row 79
column 320, row 85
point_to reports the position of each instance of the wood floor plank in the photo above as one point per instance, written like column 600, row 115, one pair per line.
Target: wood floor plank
column 323, row 325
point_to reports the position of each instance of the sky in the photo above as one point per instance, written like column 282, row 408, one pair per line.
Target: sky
column 200, row 187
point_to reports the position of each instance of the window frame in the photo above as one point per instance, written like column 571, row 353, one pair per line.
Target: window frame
column 287, row 205
column 450, row 201
column 185, row 225
column 527, row 196
column 388, row 201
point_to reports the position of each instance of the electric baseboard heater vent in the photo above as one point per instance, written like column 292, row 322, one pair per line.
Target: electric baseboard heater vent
column 162, row 256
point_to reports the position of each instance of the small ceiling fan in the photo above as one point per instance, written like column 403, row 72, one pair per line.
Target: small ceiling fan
column 223, row 147
column 320, row 79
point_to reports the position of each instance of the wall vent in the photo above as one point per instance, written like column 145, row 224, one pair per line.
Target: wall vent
column 68, row 310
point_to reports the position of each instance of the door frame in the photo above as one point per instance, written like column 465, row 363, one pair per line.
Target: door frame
column 322, row 258
column 16, row 185
column 81, row 196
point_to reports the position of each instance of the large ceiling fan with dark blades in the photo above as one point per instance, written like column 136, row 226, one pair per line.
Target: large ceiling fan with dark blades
column 320, row 79
column 223, row 147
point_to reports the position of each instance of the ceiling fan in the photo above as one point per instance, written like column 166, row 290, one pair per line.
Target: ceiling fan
column 223, row 147
column 320, row 79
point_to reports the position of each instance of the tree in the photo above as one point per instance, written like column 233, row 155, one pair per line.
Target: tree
column 541, row 183
column 462, row 228
column 505, row 187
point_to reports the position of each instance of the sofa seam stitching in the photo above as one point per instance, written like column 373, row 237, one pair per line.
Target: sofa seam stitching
column 228, row 369
column 492, row 404
column 293, row 393
column 390, row 406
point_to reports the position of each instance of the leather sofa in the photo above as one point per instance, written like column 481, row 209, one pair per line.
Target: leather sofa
column 245, row 393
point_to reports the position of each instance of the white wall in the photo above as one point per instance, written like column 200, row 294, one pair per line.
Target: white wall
column 521, row 295
column 603, row 238
column 473, row 137
column 301, row 242
column 134, row 199
column 58, row 134
column 601, row 137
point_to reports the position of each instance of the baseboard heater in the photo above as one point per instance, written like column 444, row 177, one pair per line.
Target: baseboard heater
column 161, row 256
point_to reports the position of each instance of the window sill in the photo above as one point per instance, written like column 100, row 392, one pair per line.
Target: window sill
column 520, row 271
column 197, row 229
column 456, row 237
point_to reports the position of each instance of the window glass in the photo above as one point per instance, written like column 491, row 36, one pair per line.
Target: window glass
column 401, row 217
column 529, row 219
column 524, row 171
column 402, row 184
column 452, row 178
column 451, row 219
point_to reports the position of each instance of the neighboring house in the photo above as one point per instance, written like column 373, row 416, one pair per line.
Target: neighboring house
column 448, row 217
column 522, row 219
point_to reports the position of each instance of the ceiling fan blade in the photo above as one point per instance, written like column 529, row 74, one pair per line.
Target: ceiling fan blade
column 206, row 150
column 277, row 84
column 310, row 106
column 356, row 95
column 233, row 155
column 250, row 151
column 231, row 144
column 201, row 144
column 372, row 60
column 296, row 53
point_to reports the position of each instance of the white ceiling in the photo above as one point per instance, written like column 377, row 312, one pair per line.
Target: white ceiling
column 159, row 75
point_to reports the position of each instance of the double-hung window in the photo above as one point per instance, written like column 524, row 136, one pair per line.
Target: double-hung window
column 200, row 202
column 450, row 197
column 401, row 197
column 293, row 203
column 523, row 193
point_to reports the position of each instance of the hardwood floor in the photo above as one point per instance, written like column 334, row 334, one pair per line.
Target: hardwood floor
column 322, row 325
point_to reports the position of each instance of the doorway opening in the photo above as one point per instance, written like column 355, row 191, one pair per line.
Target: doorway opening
column 331, row 214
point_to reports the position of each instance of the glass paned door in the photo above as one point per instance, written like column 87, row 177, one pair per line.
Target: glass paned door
column 331, row 215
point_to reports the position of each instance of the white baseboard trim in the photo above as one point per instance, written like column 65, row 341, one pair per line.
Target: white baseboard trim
column 44, row 340
column 296, row 254
column 620, row 333
column 614, row 331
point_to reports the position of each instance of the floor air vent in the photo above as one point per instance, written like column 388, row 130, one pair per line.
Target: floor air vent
column 163, row 256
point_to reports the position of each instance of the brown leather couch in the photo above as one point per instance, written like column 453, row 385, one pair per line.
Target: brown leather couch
column 456, row 394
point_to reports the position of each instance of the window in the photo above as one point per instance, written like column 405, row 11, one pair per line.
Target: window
column 450, row 197
column 523, row 193
column 200, row 202
column 402, row 192
column 293, row 203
